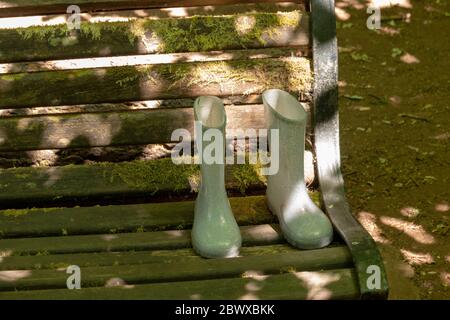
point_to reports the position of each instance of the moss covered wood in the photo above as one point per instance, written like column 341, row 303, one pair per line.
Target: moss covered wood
column 167, row 58
column 34, row 7
column 146, row 36
column 97, row 85
column 341, row 284
column 113, row 182
column 119, row 218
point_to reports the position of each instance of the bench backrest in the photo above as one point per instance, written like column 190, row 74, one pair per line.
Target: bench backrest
column 129, row 77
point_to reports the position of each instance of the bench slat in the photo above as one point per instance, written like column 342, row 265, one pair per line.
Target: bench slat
column 120, row 258
column 125, row 15
column 141, row 127
column 147, row 35
column 147, row 82
column 138, row 241
column 113, row 183
column 173, row 270
column 120, row 218
column 34, row 7
column 334, row 284
column 134, row 60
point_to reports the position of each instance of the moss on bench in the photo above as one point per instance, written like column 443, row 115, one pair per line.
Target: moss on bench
column 168, row 35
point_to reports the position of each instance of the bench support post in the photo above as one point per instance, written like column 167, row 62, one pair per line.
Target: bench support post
column 326, row 140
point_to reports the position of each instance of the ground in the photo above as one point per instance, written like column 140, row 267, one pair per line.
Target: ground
column 395, row 119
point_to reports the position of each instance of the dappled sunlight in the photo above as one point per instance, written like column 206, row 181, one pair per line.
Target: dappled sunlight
column 3, row 136
column 14, row 275
column 176, row 12
column 255, row 284
column 409, row 212
column 5, row 254
column 417, row 232
column 117, row 282
column 316, row 283
column 417, row 258
column 244, row 24
column 390, row 3
column 409, row 58
column 255, row 275
column 175, row 233
column 445, row 277
column 54, row 175
column 252, row 288
column 369, row 222
column 359, row 5
column 389, row 31
column 342, row 15
column 356, row 4
column 342, row 7
column 42, row 157
column 442, row 207
column 109, row 237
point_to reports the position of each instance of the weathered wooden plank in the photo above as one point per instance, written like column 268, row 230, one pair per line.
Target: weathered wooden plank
column 126, row 15
column 149, row 36
column 12, row 8
column 113, row 128
column 115, row 84
column 135, row 60
column 104, row 258
column 126, row 106
column 187, row 270
column 330, row 284
column 113, row 183
column 120, row 218
column 137, row 241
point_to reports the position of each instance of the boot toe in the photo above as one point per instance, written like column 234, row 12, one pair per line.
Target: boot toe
column 217, row 248
column 308, row 231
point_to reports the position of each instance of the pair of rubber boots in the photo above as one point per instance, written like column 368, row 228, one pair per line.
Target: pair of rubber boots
column 215, row 233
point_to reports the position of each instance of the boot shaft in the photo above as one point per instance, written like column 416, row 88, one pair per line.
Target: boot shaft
column 285, row 114
column 210, row 122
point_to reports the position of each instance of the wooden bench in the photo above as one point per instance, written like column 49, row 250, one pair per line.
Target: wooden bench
column 129, row 77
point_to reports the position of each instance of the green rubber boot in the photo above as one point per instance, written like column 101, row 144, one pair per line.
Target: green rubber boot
column 215, row 233
column 303, row 224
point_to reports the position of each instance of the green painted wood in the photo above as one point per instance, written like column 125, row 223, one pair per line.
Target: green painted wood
column 335, row 284
column 112, row 128
column 111, row 183
column 120, row 218
column 172, row 270
column 120, row 258
column 149, row 35
column 147, row 82
column 34, row 7
column 137, row 241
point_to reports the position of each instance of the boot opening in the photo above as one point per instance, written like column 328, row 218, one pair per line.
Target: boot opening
column 209, row 111
column 284, row 104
